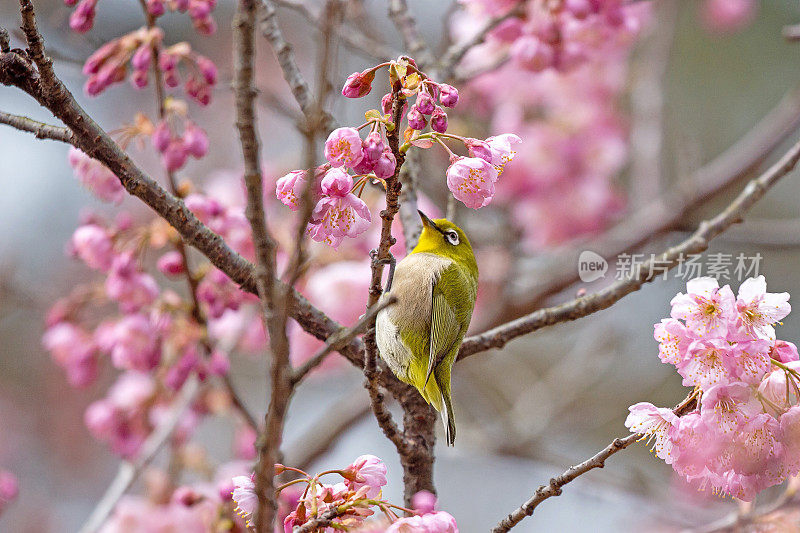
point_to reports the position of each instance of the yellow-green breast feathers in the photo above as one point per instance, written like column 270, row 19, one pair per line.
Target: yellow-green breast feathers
column 419, row 336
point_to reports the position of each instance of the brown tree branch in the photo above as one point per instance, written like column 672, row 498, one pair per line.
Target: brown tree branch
column 40, row 129
column 322, row 521
column 340, row 339
column 538, row 279
column 273, row 308
column 696, row 243
column 415, row 46
column 596, row 461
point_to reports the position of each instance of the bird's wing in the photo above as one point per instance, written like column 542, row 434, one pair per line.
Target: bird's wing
column 445, row 329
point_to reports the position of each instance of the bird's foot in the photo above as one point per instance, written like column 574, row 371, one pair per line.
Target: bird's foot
column 391, row 261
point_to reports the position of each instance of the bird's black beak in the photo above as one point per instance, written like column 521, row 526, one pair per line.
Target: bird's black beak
column 427, row 222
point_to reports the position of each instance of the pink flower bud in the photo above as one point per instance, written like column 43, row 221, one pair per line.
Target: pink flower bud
column 70, row 3
column 100, row 56
column 139, row 78
column 424, row 104
column 171, row 78
column 439, row 120
column 161, row 136
column 199, row 9
column 186, row 496
column 424, row 502
column 93, row 245
column 142, row 57
column 171, row 264
column 167, row 61
column 358, row 84
column 206, row 25
column 101, row 417
column 533, row 54
column 82, row 19
column 155, row 7
column 448, row 96
column 336, row 183
column 385, row 166
column 181, row 5
column 195, row 140
column 373, row 147
column 174, row 156
column 208, row 69
column 416, row 121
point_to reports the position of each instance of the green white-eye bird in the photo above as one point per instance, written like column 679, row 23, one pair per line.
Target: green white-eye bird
column 419, row 336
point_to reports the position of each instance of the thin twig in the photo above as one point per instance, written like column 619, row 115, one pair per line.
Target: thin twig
column 285, row 54
column 130, row 470
column 322, row 521
column 39, row 129
column 649, row 270
column 351, row 36
column 453, row 56
column 596, row 461
column 341, row 338
column 413, row 42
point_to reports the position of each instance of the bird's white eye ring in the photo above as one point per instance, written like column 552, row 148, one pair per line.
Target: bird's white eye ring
column 452, row 237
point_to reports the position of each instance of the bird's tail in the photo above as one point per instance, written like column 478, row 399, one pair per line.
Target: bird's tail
column 448, row 418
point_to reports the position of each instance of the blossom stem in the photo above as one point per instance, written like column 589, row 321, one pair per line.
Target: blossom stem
column 279, row 488
column 446, row 148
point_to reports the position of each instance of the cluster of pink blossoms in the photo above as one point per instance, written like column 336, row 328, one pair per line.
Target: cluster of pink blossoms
column 82, row 18
column 109, row 64
column 339, row 211
column 744, row 434
column 355, row 498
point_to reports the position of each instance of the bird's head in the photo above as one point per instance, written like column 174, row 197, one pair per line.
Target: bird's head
column 442, row 237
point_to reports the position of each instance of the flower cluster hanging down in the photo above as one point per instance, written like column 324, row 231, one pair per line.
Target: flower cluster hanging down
column 348, row 503
column 339, row 211
column 744, row 435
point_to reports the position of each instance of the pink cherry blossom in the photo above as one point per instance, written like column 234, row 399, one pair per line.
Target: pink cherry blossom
column 655, row 423
column 471, row 180
column 290, row 187
column 128, row 286
column 705, row 307
column 757, row 309
column 93, row 245
column 343, row 147
column 132, row 343
column 171, row 263
column 790, row 430
column 74, row 350
column 339, row 213
column 367, row 471
column 674, row 339
column 707, row 363
column 96, row 177
column 218, row 293
column 244, row 495
column 693, row 445
column 501, row 149
column 727, row 406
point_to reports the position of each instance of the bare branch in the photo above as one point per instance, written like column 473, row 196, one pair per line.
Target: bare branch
column 341, row 338
column 283, row 50
column 596, row 461
column 696, row 243
column 538, row 279
column 39, row 129
column 351, row 36
column 453, row 56
column 413, row 42
column 129, row 471
column 412, row 225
